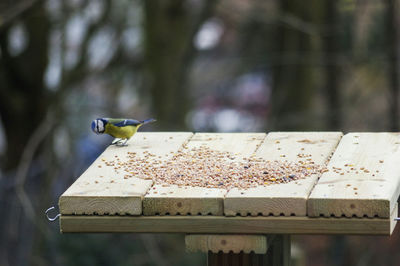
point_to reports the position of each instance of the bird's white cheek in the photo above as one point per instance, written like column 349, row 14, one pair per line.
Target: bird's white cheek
column 100, row 127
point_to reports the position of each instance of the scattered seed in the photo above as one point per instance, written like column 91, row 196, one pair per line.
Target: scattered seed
column 205, row 167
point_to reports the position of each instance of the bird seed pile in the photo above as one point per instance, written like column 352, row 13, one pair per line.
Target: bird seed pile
column 205, row 167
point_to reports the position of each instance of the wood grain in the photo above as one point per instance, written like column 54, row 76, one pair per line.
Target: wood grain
column 363, row 178
column 226, row 243
column 174, row 200
column 227, row 225
column 102, row 189
column 287, row 199
column 96, row 201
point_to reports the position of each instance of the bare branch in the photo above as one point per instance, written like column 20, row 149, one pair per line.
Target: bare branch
column 23, row 168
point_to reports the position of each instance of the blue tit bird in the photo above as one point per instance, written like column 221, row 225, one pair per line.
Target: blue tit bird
column 120, row 128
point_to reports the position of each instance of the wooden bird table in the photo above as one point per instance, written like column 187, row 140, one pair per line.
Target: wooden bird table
column 356, row 194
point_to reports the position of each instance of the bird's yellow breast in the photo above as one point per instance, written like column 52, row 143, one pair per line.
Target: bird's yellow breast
column 120, row 132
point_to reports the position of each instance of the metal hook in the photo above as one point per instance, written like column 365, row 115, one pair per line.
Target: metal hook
column 49, row 218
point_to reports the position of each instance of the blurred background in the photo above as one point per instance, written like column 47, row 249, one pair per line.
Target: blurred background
column 195, row 65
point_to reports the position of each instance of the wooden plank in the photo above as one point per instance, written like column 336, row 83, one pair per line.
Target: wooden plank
column 363, row 178
column 288, row 199
column 104, row 187
column 227, row 225
column 226, row 243
column 175, row 200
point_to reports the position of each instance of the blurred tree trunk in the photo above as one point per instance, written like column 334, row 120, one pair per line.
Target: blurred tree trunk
column 10, row 9
column 23, row 96
column 332, row 70
column 24, row 102
column 169, row 30
column 294, row 84
column 392, row 24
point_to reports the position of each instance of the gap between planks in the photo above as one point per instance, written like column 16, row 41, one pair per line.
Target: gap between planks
column 363, row 178
column 176, row 200
column 288, row 199
column 103, row 189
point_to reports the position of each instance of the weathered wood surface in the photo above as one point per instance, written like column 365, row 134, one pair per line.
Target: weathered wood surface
column 278, row 254
column 227, row 225
column 174, row 200
column 363, row 178
column 289, row 198
column 102, row 189
column 226, row 243
column 363, row 181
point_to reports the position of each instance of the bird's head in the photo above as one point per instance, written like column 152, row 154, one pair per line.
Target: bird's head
column 99, row 125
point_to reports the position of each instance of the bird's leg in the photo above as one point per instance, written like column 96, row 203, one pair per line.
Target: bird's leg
column 116, row 142
column 124, row 144
column 120, row 143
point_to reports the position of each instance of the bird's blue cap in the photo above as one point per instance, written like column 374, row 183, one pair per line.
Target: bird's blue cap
column 94, row 126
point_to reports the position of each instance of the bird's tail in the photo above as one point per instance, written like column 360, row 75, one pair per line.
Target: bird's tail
column 148, row 121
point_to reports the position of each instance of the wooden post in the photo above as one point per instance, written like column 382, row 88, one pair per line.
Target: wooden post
column 244, row 250
column 231, row 259
column 278, row 253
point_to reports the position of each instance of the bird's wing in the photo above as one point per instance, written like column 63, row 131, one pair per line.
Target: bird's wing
column 121, row 122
